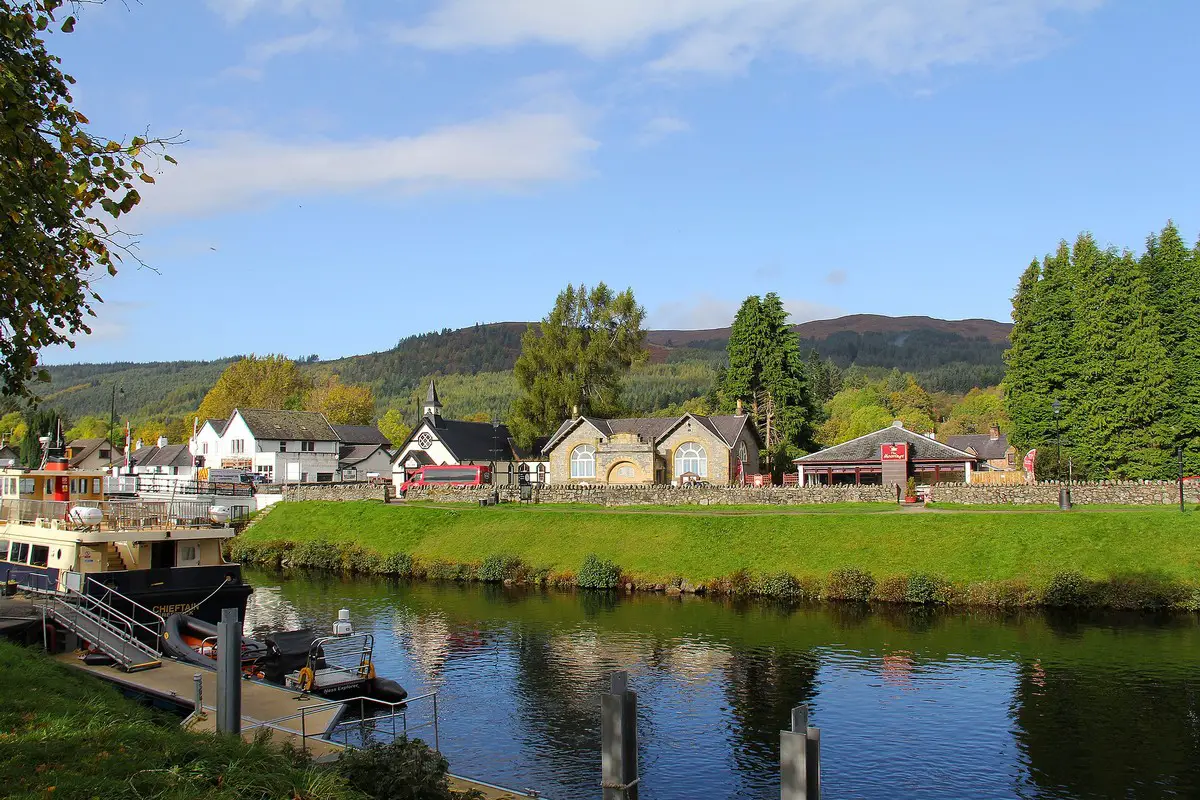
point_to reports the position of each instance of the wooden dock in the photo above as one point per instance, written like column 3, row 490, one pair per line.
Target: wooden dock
column 261, row 702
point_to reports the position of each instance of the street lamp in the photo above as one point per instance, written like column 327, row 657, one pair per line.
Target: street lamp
column 112, row 418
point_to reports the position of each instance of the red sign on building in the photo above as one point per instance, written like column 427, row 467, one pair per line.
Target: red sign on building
column 895, row 452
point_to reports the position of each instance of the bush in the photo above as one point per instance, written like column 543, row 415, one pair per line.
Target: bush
column 1139, row 591
column 926, row 589
column 497, row 568
column 597, row 574
column 738, row 584
column 357, row 559
column 849, row 583
column 406, row 768
column 400, row 564
column 446, row 571
column 1066, row 589
column 891, row 589
column 781, row 586
column 317, row 554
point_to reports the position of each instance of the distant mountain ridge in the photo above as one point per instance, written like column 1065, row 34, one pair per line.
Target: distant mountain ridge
column 952, row 354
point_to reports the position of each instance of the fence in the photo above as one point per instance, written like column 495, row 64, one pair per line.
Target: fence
column 116, row 515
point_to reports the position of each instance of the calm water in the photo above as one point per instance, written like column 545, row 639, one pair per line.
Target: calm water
column 911, row 703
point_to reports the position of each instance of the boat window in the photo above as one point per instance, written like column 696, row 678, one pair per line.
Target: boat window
column 18, row 553
column 26, row 485
column 40, row 556
column 189, row 555
column 95, row 486
column 3, row 549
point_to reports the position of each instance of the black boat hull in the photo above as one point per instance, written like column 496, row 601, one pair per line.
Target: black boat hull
column 200, row 592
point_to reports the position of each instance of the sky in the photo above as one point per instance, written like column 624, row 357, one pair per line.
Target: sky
column 351, row 173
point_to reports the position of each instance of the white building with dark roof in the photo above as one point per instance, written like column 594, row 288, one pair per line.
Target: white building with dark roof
column 283, row 445
column 440, row 441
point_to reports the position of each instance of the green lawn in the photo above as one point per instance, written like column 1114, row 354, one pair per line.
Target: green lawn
column 67, row 735
column 960, row 546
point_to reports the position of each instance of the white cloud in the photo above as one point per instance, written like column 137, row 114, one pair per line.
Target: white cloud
column 660, row 128
column 886, row 36
column 703, row 311
column 233, row 11
column 510, row 151
column 258, row 55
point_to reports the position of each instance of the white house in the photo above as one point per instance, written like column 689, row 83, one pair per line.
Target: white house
column 93, row 454
column 206, row 442
column 283, row 445
column 440, row 441
column 162, row 460
column 365, row 453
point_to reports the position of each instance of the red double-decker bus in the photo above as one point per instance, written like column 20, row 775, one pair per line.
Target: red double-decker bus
column 449, row 476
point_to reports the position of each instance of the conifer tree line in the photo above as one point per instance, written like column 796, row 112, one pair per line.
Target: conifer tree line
column 1114, row 338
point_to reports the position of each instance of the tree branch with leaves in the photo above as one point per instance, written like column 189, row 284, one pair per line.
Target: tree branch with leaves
column 63, row 191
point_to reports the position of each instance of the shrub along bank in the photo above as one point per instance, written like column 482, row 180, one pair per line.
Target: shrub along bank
column 1138, row 559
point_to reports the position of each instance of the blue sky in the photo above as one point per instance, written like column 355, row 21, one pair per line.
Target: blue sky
column 355, row 172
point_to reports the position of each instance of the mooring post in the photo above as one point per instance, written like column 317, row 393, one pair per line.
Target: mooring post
column 229, row 672
column 800, row 759
column 199, row 685
column 618, row 741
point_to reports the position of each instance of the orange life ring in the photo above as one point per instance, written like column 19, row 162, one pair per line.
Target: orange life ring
column 306, row 679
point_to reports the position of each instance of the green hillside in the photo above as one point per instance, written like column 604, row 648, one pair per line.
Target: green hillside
column 950, row 356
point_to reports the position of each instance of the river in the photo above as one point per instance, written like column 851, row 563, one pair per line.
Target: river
column 912, row 703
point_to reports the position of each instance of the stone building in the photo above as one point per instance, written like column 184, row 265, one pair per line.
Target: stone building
column 992, row 448
column 650, row 450
column 889, row 457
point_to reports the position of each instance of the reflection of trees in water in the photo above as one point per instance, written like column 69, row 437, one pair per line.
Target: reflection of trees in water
column 762, row 686
column 1099, row 731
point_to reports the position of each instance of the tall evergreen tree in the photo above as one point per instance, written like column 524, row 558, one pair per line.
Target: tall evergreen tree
column 1173, row 270
column 1025, row 388
column 767, row 373
column 1118, row 425
column 38, row 423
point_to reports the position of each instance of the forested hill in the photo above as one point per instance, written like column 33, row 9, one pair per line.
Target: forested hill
column 949, row 355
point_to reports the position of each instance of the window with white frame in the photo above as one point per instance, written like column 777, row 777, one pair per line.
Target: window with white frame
column 583, row 461
column 237, row 446
column 308, row 447
column 691, row 457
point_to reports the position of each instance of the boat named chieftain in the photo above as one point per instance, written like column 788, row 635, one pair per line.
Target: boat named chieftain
column 58, row 533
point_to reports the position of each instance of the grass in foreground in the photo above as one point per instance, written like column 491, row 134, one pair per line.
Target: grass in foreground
column 67, row 735
column 964, row 546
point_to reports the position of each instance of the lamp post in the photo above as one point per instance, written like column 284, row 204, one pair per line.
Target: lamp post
column 1179, row 452
column 1064, row 493
column 112, row 419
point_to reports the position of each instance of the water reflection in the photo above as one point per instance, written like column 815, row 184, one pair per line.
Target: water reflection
column 911, row 703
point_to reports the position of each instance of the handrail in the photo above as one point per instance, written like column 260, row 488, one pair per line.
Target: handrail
column 157, row 619
column 392, row 706
column 103, row 609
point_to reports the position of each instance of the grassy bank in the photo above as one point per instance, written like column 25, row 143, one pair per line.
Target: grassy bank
column 67, row 735
column 1124, row 559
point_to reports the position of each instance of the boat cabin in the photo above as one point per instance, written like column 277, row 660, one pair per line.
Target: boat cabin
column 39, row 484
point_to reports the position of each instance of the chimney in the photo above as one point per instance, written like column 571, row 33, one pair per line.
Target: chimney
column 995, row 431
column 137, row 445
column 575, row 412
column 740, row 410
column 162, row 441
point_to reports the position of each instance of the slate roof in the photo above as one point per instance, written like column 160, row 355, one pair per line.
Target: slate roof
column 865, row 449
column 473, row 441
column 288, row 425
column 351, row 454
column 171, row 455
column 726, row 428
column 142, row 454
column 7, row 453
column 982, row 443
column 361, row 434
column 420, row 456
column 85, row 447
column 218, row 425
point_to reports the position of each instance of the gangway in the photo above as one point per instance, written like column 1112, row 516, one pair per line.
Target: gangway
column 133, row 644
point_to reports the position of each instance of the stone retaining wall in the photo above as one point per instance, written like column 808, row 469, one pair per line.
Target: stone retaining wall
column 665, row 495
column 334, row 491
column 1134, row 493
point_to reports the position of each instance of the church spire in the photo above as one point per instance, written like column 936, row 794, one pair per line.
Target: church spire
column 433, row 406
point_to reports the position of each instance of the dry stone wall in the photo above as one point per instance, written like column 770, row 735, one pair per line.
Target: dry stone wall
column 334, row 491
column 664, row 495
column 1134, row 493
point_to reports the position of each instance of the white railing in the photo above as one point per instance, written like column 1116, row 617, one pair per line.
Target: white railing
column 117, row 515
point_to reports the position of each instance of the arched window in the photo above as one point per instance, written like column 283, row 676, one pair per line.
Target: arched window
column 510, row 473
column 691, row 457
column 541, row 473
column 742, row 452
column 583, row 461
